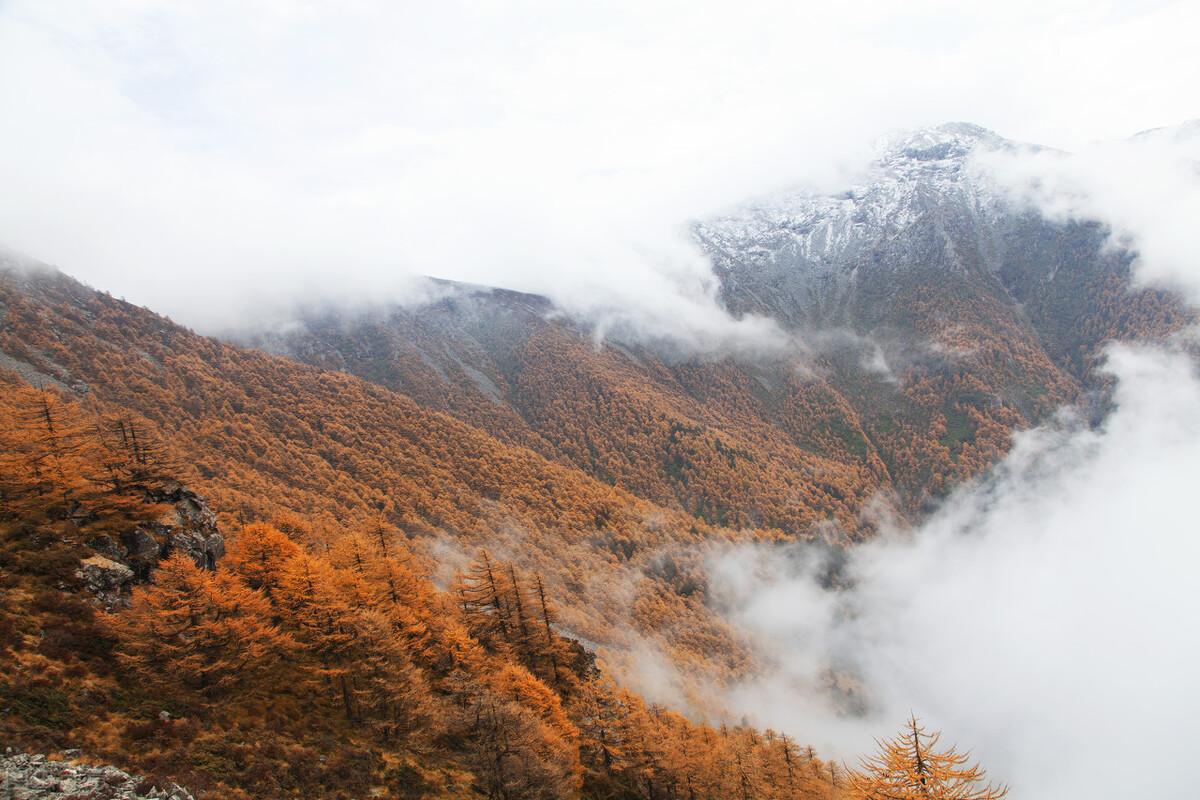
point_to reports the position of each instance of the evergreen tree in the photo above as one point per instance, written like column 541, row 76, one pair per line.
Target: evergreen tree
column 389, row 690
column 483, row 598
column 309, row 599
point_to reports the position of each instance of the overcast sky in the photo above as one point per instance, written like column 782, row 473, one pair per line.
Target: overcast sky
column 202, row 158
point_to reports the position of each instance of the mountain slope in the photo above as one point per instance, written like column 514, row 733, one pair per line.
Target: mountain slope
column 269, row 437
column 274, row 669
column 927, row 219
column 731, row 444
column 936, row 318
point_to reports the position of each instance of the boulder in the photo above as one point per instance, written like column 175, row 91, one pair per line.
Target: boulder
column 105, row 546
column 205, row 550
column 142, row 551
column 190, row 526
column 102, row 575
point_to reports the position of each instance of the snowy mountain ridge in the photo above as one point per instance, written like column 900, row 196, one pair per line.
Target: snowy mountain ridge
column 916, row 173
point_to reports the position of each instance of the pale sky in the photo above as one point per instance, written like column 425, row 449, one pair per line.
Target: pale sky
column 201, row 158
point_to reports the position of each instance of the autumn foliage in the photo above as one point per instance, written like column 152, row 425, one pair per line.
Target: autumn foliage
column 330, row 653
column 265, row 438
column 766, row 442
column 911, row 766
column 233, row 679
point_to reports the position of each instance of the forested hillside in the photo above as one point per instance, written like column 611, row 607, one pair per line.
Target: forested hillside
column 264, row 437
column 425, row 580
column 446, row 541
column 609, row 469
column 310, row 665
column 598, row 401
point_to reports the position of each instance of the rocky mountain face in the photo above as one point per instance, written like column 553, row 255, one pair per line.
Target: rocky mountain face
column 927, row 219
column 814, row 260
column 938, row 317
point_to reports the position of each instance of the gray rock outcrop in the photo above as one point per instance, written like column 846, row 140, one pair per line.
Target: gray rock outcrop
column 34, row 777
column 188, row 526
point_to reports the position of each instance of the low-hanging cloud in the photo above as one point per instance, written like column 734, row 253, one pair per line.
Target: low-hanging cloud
column 1143, row 188
column 1044, row 615
column 217, row 160
column 1043, row 618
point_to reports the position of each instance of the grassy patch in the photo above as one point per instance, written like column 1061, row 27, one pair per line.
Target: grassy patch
column 959, row 428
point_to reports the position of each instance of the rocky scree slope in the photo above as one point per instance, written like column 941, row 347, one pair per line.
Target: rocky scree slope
column 34, row 777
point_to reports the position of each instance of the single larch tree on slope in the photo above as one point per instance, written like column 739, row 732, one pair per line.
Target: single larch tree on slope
column 911, row 767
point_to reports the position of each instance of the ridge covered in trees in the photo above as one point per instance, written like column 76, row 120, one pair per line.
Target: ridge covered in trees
column 319, row 666
column 674, row 467
column 910, row 386
column 266, row 438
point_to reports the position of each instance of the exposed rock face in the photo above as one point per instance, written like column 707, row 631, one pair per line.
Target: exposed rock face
column 104, row 578
column 807, row 257
column 188, row 526
column 26, row 777
column 926, row 220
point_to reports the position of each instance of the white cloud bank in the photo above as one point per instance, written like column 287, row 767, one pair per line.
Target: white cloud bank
column 208, row 159
column 1143, row 188
column 1045, row 617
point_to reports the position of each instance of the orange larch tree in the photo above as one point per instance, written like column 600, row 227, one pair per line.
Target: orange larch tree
column 911, row 767
column 201, row 631
column 258, row 554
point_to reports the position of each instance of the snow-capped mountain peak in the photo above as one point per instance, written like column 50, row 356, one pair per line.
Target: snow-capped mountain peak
column 938, row 142
column 915, row 174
